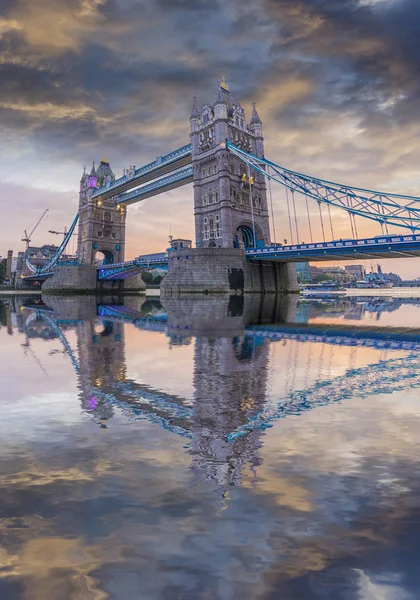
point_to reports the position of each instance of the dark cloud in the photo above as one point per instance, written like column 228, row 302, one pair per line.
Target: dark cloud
column 337, row 83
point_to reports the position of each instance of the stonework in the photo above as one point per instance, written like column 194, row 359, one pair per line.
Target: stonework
column 228, row 207
column 101, row 222
column 225, row 271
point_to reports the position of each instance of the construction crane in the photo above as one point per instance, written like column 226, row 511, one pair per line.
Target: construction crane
column 27, row 237
column 59, row 232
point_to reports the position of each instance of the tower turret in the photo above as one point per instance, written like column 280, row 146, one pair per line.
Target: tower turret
column 195, row 116
column 221, row 105
column 92, row 176
column 83, row 180
column 255, row 128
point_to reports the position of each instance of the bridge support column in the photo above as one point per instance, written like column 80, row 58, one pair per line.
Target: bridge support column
column 71, row 279
column 225, row 271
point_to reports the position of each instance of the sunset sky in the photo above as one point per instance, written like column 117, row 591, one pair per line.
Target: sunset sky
column 337, row 85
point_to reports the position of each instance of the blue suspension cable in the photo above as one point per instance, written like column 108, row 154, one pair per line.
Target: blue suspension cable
column 364, row 203
column 350, row 215
column 272, row 210
column 309, row 219
column 252, row 204
column 290, row 220
column 355, row 227
column 296, row 221
column 322, row 221
column 331, row 225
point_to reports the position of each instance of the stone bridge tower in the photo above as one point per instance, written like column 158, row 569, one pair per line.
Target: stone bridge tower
column 101, row 222
column 224, row 216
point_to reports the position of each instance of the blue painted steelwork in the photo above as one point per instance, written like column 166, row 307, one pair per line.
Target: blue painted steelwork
column 401, row 245
column 45, row 269
column 156, row 187
column 174, row 160
column 133, row 267
column 382, row 207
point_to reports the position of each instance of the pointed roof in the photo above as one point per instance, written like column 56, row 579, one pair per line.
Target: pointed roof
column 103, row 170
column 195, row 112
column 84, row 174
column 223, row 93
column 255, row 118
column 220, row 98
column 93, row 172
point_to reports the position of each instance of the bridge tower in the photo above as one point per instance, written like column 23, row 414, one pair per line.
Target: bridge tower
column 228, row 208
column 101, row 222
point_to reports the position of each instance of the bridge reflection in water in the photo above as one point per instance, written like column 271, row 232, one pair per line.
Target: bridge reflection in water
column 233, row 337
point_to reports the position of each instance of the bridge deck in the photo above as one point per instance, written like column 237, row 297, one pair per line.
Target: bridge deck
column 400, row 246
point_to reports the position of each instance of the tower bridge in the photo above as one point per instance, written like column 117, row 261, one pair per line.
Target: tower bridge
column 236, row 247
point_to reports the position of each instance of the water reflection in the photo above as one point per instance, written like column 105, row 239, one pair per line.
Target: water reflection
column 164, row 491
column 230, row 408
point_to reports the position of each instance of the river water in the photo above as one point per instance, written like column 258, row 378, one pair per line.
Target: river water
column 209, row 449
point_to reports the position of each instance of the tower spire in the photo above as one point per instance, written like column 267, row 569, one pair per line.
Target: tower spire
column 195, row 112
column 255, row 118
column 220, row 97
column 93, row 172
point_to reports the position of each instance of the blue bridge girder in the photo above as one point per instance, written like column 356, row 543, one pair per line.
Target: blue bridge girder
column 160, row 166
column 388, row 246
column 165, row 184
column 132, row 267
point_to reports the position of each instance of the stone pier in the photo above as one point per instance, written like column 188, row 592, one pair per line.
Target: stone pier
column 83, row 279
column 225, row 271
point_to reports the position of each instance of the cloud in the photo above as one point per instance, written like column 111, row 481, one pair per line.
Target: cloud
column 57, row 26
column 337, row 84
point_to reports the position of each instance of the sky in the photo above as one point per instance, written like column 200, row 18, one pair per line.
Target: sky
column 337, row 86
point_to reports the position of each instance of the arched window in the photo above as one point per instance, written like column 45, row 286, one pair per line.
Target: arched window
column 107, row 217
column 206, row 229
column 218, row 230
column 212, row 232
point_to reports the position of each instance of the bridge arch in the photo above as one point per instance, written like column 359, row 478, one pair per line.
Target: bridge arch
column 103, row 257
column 244, row 235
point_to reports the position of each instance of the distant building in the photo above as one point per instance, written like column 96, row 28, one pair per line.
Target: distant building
column 9, row 264
column 41, row 252
column 336, row 274
column 180, row 243
column 394, row 278
column 357, row 272
column 303, row 271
